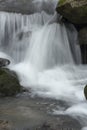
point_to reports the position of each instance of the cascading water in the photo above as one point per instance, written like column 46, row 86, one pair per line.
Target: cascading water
column 45, row 54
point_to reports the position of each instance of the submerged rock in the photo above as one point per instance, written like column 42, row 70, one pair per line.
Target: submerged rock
column 63, row 123
column 5, row 125
column 4, row 62
column 73, row 10
column 9, row 84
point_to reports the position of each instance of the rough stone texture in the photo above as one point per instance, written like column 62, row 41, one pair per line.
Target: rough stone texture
column 83, row 36
column 73, row 10
column 9, row 84
column 85, row 91
column 25, row 6
column 34, row 113
column 4, row 62
column 5, row 125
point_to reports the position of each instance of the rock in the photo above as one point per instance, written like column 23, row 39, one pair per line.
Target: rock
column 82, row 36
column 85, row 91
column 73, row 10
column 63, row 123
column 26, row 6
column 4, row 62
column 9, row 84
column 5, row 125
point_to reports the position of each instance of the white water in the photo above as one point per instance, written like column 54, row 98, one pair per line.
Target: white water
column 46, row 57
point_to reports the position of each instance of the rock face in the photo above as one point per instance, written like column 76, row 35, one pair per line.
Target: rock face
column 9, row 85
column 85, row 91
column 82, row 36
column 4, row 62
column 5, row 125
column 24, row 6
column 73, row 10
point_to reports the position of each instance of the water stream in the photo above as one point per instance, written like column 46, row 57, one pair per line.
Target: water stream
column 46, row 56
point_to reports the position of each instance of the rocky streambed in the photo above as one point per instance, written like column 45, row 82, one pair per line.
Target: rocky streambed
column 33, row 113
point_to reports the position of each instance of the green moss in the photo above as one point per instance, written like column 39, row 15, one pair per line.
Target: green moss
column 61, row 2
column 75, row 14
column 9, row 85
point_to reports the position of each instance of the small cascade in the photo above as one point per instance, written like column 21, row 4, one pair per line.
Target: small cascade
column 15, row 31
column 45, row 54
column 23, row 34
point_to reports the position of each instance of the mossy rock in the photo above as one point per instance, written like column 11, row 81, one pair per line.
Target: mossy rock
column 85, row 91
column 9, row 84
column 73, row 10
column 83, row 36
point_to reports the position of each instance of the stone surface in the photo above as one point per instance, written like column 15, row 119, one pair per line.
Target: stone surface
column 85, row 91
column 73, row 10
column 34, row 113
column 9, row 84
column 4, row 62
column 25, row 6
column 83, row 36
column 5, row 125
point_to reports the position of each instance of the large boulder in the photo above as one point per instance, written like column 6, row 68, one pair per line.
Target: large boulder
column 73, row 10
column 9, row 84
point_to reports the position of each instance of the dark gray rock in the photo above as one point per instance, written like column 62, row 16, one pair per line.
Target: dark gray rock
column 5, row 125
column 85, row 91
column 34, row 113
column 4, row 62
column 25, row 6
column 82, row 36
column 63, row 123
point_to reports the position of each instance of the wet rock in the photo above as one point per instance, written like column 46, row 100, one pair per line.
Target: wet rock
column 85, row 91
column 5, row 125
column 73, row 10
column 9, row 84
column 62, row 123
column 25, row 6
column 23, row 34
column 82, row 36
column 4, row 62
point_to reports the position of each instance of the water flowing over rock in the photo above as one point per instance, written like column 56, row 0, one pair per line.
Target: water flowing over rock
column 73, row 10
column 27, row 6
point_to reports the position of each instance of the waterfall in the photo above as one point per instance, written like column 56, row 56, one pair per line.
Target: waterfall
column 34, row 39
column 45, row 54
